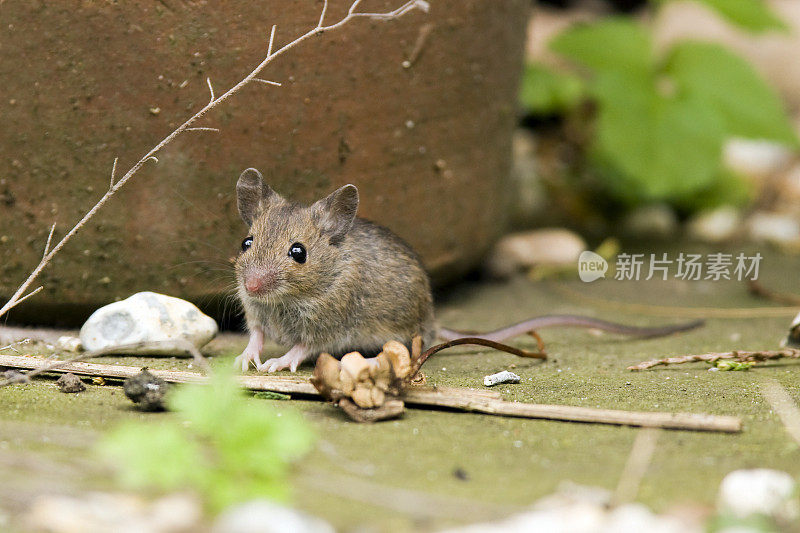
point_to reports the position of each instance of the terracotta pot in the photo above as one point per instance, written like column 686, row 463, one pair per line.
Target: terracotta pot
column 428, row 144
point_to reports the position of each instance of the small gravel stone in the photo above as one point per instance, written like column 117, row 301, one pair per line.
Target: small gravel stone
column 518, row 251
column 501, row 377
column 146, row 390
column 759, row 491
column 70, row 383
column 16, row 376
column 774, row 228
column 715, row 225
column 263, row 516
column 655, row 220
column 69, row 343
column 793, row 338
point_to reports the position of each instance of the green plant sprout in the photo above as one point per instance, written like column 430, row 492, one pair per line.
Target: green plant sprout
column 727, row 365
column 661, row 121
column 222, row 445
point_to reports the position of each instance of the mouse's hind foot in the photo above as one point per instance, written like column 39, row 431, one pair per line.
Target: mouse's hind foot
column 290, row 360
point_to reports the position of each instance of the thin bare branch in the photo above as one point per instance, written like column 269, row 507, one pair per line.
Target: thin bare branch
column 200, row 128
column 17, row 297
column 211, row 89
column 49, row 240
column 271, row 40
column 13, row 345
column 353, row 7
column 54, row 365
column 268, row 82
column 113, row 172
column 34, row 291
column 322, row 15
column 738, row 355
column 422, row 5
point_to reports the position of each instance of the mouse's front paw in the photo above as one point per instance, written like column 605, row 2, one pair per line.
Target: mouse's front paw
column 245, row 359
column 290, row 360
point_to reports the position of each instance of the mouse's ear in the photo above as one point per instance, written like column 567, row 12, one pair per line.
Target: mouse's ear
column 252, row 195
column 335, row 213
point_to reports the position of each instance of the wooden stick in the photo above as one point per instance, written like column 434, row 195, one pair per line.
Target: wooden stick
column 739, row 355
column 569, row 413
column 462, row 399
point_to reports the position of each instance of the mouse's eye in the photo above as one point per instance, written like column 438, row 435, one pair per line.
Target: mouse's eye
column 247, row 243
column 298, row 252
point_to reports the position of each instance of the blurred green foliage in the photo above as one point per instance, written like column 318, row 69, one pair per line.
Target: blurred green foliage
column 751, row 15
column 226, row 447
column 661, row 122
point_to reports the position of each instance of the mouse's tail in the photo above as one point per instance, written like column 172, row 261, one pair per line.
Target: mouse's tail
column 575, row 321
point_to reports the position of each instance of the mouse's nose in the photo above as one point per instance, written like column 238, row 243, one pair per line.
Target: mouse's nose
column 260, row 281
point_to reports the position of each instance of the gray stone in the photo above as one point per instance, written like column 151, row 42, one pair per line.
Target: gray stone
column 147, row 317
column 70, row 383
column 793, row 338
column 654, row 220
column 501, row 377
column 759, row 491
column 264, row 516
column 715, row 225
column 121, row 513
column 576, row 509
column 774, row 228
column 518, row 251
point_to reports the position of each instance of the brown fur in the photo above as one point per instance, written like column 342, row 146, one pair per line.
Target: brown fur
column 360, row 286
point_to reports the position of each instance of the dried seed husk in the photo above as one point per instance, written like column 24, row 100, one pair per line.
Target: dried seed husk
column 354, row 364
column 381, row 372
column 378, row 397
column 326, row 375
column 399, row 358
column 362, row 397
column 390, row 409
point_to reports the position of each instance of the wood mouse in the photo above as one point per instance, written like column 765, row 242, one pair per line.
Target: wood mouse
column 320, row 279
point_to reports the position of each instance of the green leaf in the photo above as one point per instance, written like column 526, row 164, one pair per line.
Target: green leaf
column 654, row 147
column 725, row 83
column 752, row 15
column 224, row 445
column 613, row 45
column 545, row 91
column 154, row 456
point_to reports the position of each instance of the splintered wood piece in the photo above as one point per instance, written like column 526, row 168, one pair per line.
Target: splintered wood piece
column 463, row 399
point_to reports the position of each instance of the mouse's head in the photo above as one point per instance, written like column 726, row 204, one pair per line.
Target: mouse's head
column 291, row 250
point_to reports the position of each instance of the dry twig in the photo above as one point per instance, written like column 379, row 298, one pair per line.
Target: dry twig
column 189, row 125
column 40, row 366
column 737, row 355
column 461, row 399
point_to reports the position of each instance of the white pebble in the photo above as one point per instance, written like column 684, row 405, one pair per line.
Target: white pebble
column 69, row 343
column 264, row 516
column 147, row 317
column 758, row 491
column 501, row 377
